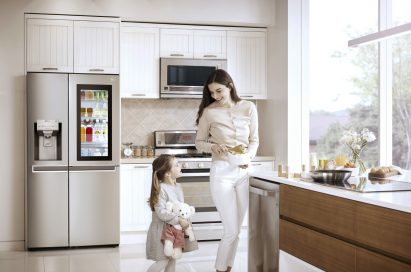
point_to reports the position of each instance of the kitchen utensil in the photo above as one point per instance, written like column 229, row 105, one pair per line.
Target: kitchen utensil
column 332, row 177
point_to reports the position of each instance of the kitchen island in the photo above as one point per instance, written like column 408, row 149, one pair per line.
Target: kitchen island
column 339, row 230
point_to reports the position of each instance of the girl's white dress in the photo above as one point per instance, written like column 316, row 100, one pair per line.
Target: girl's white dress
column 154, row 247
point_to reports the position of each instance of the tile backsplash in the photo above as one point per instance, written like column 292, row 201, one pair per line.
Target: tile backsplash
column 141, row 117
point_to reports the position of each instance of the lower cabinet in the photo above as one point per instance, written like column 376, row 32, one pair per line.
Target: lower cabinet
column 262, row 165
column 135, row 187
column 337, row 234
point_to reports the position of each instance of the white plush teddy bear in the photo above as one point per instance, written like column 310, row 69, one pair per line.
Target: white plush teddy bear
column 185, row 211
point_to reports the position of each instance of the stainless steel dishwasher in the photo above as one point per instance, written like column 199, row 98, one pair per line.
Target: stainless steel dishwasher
column 263, row 223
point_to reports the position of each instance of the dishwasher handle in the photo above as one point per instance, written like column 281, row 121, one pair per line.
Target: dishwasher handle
column 262, row 192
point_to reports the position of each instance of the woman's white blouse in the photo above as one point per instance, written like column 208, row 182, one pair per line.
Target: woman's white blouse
column 229, row 126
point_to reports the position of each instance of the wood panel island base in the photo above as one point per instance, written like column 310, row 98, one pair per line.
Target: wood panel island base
column 338, row 234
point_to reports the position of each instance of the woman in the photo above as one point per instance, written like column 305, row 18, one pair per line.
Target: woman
column 225, row 121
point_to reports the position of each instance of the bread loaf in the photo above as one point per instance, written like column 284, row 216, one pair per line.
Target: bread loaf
column 383, row 172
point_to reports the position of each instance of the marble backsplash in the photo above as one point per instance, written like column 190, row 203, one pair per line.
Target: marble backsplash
column 141, row 117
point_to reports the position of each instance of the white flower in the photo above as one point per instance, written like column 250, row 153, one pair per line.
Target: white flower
column 357, row 141
column 368, row 136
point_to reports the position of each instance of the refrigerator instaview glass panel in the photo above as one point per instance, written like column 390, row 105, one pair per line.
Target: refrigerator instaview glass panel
column 94, row 122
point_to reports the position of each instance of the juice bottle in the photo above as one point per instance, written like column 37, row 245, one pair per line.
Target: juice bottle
column 90, row 112
column 89, row 132
column 82, row 95
column 90, row 95
column 82, row 133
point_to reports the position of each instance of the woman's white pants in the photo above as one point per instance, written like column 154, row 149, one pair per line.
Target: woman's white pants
column 229, row 189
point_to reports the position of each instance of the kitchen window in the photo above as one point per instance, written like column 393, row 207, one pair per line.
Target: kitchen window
column 363, row 86
column 343, row 90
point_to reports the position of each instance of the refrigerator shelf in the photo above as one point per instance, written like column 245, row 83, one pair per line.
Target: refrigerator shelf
column 94, row 144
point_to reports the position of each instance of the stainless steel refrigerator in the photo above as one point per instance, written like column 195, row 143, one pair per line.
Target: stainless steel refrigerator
column 73, row 143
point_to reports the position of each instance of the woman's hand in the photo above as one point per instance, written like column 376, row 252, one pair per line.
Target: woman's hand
column 219, row 149
column 244, row 166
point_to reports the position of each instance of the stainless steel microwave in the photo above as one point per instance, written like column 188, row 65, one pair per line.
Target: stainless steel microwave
column 185, row 78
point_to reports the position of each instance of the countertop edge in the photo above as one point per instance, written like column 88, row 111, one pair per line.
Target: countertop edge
column 400, row 201
column 150, row 160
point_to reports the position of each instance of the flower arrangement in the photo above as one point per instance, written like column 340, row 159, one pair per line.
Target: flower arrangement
column 356, row 142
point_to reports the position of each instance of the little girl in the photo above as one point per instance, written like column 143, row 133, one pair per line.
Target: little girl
column 163, row 189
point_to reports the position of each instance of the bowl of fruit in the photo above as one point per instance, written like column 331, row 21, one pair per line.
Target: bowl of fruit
column 350, row 166
column 238, row 155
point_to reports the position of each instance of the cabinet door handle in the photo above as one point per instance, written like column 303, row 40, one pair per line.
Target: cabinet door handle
column 137, row 94
column 210, row 56
column 96, row 70
column 141, row 166
column 177, row 55
column 50, row 69
column 248, row 96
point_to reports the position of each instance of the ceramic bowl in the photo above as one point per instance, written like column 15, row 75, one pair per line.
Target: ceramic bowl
column 238, row 159
column 354, row 171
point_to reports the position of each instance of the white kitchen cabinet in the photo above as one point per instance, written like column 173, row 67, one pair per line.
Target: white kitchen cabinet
column 176, row 43
column 96, row 47
column 258, row 166
column 210, row 44
column 67, row 44
column 135, row 187
column 246, row 62
column 193, row 43
column 49, row 45
column 139, row 61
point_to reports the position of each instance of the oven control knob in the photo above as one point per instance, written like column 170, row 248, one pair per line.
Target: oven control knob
column 200, row 165
column 185, row 165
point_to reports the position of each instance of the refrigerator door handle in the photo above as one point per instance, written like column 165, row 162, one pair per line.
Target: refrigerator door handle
column 82, row 169
column 49, row 168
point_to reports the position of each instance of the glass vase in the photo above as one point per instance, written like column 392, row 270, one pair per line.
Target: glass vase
column 358, row 162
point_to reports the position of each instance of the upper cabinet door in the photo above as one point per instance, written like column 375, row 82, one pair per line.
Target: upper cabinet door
column 96, row 47
column 246, row 62
column 210, row 44
column 176, row 43
column 49, row 45
column 139, row 61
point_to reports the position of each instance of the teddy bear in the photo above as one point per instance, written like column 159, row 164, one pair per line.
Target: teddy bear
column 173, row 235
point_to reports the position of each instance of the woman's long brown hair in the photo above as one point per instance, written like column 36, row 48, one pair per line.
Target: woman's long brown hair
column 218, row 76
column 161, row 166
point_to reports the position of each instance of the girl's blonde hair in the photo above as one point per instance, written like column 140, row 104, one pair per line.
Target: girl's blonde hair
column 161, row 166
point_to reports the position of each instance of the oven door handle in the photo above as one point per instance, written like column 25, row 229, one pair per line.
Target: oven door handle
column 204, row 174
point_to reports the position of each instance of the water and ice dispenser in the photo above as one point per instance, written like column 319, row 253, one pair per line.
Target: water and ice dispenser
column 47, row 135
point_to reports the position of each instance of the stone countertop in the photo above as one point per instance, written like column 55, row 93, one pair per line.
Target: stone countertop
column 150, row 160
column 400, row 201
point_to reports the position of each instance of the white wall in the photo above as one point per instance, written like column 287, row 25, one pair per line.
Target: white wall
column 273, row 111
column 12, row 90
column 282, row 114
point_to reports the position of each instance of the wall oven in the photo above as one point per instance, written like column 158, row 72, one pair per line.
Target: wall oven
column 185, row 78
column 195, row 180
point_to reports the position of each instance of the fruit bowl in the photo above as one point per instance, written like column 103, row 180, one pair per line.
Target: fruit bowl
column 354, row 170
column 238, row 159
column 331, row 177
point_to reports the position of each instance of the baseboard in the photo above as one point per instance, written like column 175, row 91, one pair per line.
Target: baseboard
column 12, row 246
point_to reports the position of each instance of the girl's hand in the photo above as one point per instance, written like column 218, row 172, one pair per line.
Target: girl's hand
column 219, row 149
column 244, row 166
column 183, row 223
